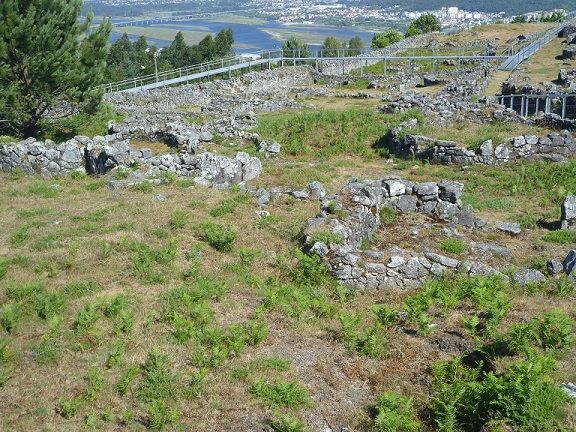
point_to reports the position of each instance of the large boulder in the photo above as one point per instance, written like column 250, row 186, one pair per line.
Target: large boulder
column 570, row 263
column 569, row 53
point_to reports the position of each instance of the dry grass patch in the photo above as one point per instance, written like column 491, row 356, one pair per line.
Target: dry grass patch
column 157, row 147
column 545, row 64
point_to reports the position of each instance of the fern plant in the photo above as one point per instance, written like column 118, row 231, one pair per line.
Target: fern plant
column 395, row 413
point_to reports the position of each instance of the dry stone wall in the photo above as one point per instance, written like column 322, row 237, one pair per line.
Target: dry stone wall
column 102, row 154
column 555, row 146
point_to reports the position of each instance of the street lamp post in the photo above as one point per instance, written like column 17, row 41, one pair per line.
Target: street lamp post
column 156, row 54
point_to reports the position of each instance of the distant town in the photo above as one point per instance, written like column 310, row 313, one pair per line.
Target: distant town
column 314, row 12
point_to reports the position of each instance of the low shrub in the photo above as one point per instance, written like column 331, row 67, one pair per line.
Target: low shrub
column 453, row 246
column 362, row 338
column 286, row 423
column 554, row 330
column 220, row 237
column 388, row 216
column 523, row 397
column 281, row 393
column 160, row 414
column 68, row 408
column 158, row 381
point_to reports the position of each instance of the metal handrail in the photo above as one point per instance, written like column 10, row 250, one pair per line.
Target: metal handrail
column 262, row 57
column 513, row 61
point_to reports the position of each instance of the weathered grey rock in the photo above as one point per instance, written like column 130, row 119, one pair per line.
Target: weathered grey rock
column 316, row 190
column 406, row 203
column 487, row 149
column 490, row 249
column 270, row 148
column 206, row 136
column 395, row 187
column 426, row 191
column 466, row 217
column 509, row 227
column 502, row 153
column 320, row 249
column 528, row 276
column 570, row 390
column 443, row 260
column 554, row 267
column 301, row 195
column 568, row 213
column 450, row 191
column 263, row 198
column 375, row 268
column 446, row 210
column 396, row 261
column 569, row 263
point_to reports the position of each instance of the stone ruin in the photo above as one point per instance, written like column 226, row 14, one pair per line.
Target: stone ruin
column 353, row 216
column 557, row 147
column 351, row 219
column 102, row 154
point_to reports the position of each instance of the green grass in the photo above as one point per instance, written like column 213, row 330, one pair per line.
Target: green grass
column 453, row 246
column 327, row 133
column 388, row 216
column 281, row 393
column 561, row 237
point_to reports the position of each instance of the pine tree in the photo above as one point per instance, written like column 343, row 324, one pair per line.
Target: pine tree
column 294, row 47
column 178, row 53
column 48, row 59
column 331, row 47
column 223, row 43
column 355, row 46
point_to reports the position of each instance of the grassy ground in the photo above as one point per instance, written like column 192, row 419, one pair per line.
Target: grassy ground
column 495, row 84
column 497, row 32
column 120, row 311
column 546, row 63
